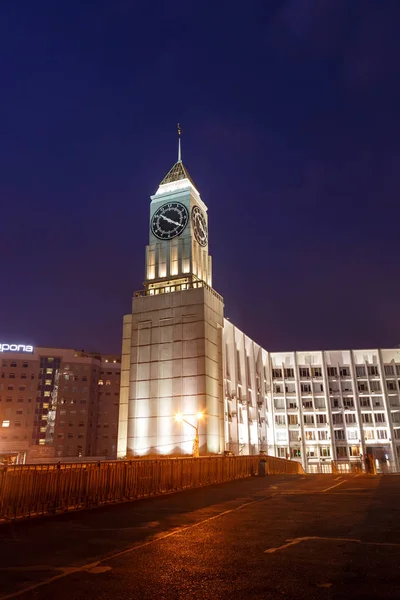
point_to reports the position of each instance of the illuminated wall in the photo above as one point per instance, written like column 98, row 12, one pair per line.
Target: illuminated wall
column 172, row 362
column 314, row 407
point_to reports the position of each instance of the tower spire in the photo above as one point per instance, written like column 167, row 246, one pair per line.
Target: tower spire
column 179, row 143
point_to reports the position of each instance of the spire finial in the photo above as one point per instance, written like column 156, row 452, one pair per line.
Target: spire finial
column 179, row 143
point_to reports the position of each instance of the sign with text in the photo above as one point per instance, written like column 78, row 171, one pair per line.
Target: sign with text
column 15, row 348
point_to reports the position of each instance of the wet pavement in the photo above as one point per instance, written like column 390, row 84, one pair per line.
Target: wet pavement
column 315, row 536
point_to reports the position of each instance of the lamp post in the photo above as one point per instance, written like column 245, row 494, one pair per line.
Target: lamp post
column 179, row 418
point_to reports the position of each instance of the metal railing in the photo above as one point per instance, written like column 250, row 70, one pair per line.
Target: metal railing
column 355, row 467
column 27, row 490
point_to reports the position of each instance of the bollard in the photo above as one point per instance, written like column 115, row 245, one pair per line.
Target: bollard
column 261, row 467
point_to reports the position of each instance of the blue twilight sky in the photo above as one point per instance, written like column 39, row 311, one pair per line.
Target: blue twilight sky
column 291, row 131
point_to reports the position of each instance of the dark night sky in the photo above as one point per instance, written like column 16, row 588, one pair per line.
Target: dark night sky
column 291, row 131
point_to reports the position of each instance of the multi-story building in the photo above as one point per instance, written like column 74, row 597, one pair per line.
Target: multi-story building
column 315, row 407
column 57, row 403
column 179, row 355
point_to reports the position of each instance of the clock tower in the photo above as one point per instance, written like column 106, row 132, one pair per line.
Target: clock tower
column 177, row 254
column 172, row 340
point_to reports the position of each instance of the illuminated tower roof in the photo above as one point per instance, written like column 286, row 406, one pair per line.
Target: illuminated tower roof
column 178, row 171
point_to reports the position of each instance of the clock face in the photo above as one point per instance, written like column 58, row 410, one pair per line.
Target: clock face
column 199, row 225
column 169, row 220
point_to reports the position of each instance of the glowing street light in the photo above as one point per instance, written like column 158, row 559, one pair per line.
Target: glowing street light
column 200, row 415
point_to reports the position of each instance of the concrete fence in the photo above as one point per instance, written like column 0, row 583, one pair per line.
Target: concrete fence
column 27, row 490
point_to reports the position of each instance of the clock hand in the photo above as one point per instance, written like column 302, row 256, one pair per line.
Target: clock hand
column 170, row 220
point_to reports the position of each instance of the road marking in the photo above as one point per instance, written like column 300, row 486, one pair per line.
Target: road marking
column 333, row 486
column 296, row 541
column 337, row 478
column 94, row 567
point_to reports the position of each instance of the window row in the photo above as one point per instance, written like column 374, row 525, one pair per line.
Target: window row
column 343, row 371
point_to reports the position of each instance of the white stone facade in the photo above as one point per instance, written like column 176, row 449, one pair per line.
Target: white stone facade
column 315, row 407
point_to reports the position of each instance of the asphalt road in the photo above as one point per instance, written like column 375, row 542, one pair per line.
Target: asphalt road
column 300, row 537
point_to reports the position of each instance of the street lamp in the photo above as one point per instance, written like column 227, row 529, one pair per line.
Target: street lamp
column 179, row 418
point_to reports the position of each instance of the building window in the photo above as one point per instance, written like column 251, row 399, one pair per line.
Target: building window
column 369, row 434
column 396, row 417
column 293, row 419
column 304, row 372
column 380, row 417
column 321, row 419
column 341, row 452
column 348, row 402
column 322, row 435
column 381, row 434
column 365, row 402
column 344, row 371
column 339, row 434
column 332, row 372
column 289, row 373
column 316, row 372
column 360, row 371
column 335, row 403
column 277, row 373
column 389, row 370
column 391, row 386
column 350, row 418
column 281, row 452
column 5, row 423
column 375, row 386
column 305, row 388
column 309, row 435
column 279, row 420
column 373, row 370
column 295, row 453
column 397, row 434
column 310, row 450
column 325, row 451
column 294, row 436
column 362, row 386
column 352, row 434
column 309, row 419
column 366, row 417
column 11, row 376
